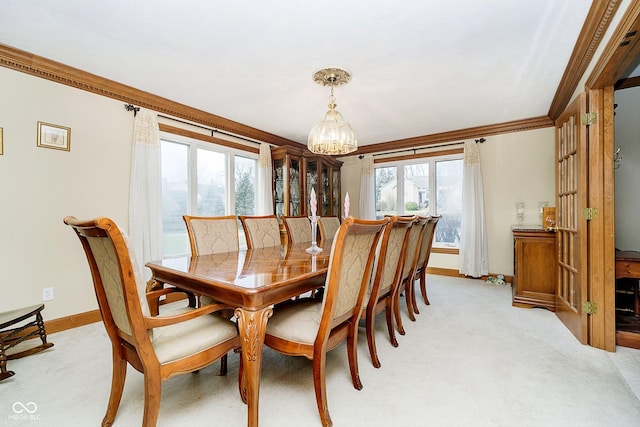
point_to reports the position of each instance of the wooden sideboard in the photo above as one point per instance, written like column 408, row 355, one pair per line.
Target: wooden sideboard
column 534, row 257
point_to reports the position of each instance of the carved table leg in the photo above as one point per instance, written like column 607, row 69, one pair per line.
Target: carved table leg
column 252, row 325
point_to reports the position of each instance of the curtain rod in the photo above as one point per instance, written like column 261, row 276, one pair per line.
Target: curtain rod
column 479, row 140
column 130, row 107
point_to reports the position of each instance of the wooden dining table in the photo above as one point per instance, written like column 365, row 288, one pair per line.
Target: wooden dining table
column 252, row 281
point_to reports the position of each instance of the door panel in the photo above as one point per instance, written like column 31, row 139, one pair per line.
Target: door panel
column 571, row 199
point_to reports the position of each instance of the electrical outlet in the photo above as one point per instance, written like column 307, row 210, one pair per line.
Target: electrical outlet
column 47, row 294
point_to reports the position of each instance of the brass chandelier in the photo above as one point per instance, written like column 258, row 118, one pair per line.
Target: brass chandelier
column 332, row 135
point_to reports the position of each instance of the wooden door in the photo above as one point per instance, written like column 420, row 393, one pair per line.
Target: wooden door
column 571, row 200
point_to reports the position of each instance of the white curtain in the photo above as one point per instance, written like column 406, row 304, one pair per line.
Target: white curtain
column 145, row 192
column 265, row 181
column 473, row 237
column 367, row 209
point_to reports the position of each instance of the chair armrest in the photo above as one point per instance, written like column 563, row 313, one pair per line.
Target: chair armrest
column 158, row 321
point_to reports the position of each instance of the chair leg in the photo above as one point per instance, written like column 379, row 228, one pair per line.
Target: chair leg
column 414, row 302
column 371, row 337
column 423, row 286
column 396, row 310
column 117, row 386
column 390, row 328
column 352, row 352
column 408, row 290
column 223, row 365
column 320, row 386
column 152, row 396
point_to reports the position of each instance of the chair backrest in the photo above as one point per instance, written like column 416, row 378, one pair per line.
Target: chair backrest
column 298, row 228
column 393, row 244
column 427, row 241
column 349, row 271
column 261, row 231
column 212, row 235
column 328, row 226
column 413, row 247
column 121, row 301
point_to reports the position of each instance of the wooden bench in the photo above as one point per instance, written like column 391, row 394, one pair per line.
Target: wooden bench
column 13, row 333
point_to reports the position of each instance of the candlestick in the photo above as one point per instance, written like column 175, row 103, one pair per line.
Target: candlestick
column 314, row 248
column 347, row 204
column 313, row 202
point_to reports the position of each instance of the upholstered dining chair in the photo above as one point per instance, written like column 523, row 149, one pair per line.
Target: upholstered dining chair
column 328, row 225
column 261, row 231
column 298, row 229
column 425, row 253
column 212, row 235
column 385, row 280
column 311, row 327
column 408, row 272
column 158, row 347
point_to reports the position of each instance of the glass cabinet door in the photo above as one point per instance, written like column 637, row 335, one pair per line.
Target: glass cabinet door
column 278, row 186
column 325, row 191
column 311, row 181
column 294, row 187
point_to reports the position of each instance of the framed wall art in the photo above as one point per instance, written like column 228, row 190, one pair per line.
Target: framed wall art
column 1, row 143
column 54, row 136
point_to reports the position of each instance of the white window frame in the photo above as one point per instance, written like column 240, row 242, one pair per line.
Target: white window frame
column 433, row 196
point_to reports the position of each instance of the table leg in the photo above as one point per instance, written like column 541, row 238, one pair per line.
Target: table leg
column 252, row 326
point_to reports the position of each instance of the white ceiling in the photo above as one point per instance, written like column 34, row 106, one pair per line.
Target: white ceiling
column 419, row 66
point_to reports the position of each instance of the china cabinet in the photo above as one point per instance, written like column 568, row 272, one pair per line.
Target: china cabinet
column 295, row 172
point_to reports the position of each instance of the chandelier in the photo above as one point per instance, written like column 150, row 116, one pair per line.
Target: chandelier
column 332, row 135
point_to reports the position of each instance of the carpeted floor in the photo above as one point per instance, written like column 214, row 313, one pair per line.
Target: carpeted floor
column 470, row 359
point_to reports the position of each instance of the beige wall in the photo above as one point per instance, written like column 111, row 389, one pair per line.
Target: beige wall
column 515, row 167
column 38, row 187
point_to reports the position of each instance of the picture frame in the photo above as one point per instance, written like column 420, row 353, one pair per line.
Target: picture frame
column 1, row 143
column 54, row 136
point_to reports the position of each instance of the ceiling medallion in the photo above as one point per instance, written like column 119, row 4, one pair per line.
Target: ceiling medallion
column 332, row 136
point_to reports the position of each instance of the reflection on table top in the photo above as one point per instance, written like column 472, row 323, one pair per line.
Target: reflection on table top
column 250, row 269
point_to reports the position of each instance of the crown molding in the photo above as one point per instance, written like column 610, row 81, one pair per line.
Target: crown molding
column 621, row 51
column 457, row 135
column 38, row 66
column 593, row 29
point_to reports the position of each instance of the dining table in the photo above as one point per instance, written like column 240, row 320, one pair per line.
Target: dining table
column 251, row 281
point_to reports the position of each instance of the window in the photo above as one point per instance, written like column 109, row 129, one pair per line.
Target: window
column 429, row 186
column 196, row 180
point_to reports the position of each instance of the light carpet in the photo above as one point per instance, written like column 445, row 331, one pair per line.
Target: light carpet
column 470, row 359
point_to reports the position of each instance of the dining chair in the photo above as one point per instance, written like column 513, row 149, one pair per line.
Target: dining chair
column 311, row 327
column 158, row 347
column 298, row 229
column 385, row 279
column 211, row 235
column 425, row 253
column 261, row 231
column 408, row 272
column 328, row 225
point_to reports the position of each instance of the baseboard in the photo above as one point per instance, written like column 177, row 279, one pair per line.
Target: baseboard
column 73, row 321
column 455, row 273
column 86, row 318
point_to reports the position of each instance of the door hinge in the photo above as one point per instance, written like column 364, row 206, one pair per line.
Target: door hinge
column 589, row 213
column 589, row 118
column 590, row 307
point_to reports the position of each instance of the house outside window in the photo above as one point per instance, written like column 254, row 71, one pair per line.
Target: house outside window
column 196, row 180
column 429, row 186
